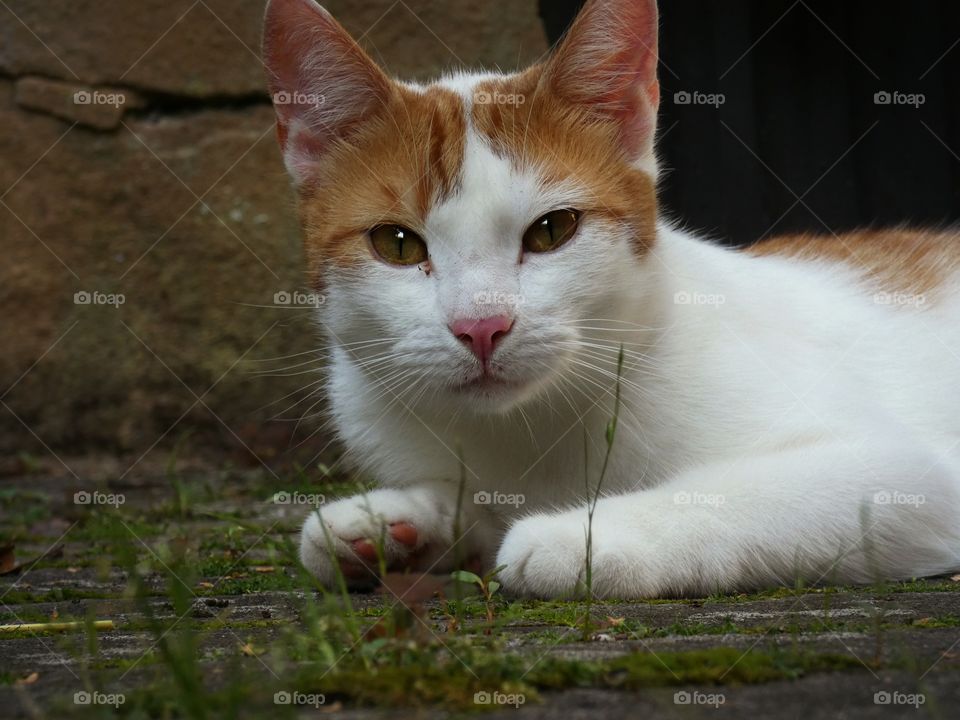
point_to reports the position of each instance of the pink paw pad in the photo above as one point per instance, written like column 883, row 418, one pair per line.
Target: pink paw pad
column 365, row 549
column 404, row 533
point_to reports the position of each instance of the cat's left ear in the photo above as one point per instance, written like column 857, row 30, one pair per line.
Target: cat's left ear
column 322, row 83
column 607, row 63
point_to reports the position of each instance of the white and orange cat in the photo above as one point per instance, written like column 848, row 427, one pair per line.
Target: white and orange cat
column 487, row 244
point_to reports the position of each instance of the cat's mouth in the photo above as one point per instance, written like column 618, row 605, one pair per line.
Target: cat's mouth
column 494, row 392
column 488, row 382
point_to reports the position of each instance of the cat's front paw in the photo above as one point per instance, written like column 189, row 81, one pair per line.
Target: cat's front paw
column 546, row 557
column 347, row 536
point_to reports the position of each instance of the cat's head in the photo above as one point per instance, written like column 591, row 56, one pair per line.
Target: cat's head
column 472, row 234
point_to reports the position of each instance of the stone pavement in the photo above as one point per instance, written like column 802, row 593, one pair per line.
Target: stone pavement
column 193, row 564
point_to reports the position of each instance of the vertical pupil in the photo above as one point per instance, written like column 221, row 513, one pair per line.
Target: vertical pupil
column 399, row 238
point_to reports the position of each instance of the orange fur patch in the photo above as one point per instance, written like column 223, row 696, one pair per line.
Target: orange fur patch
column 898, row 260
column 393, row 169
column 563, row 142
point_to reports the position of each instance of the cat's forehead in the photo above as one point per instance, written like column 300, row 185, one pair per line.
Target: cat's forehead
column 464, row 84
column 470, row 152
column 483, row 172
column 494, row 199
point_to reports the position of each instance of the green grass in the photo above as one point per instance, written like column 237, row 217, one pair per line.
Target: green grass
column 436, row 676
column 882, row 589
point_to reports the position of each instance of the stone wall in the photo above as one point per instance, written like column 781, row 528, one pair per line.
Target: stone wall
column 138, row 163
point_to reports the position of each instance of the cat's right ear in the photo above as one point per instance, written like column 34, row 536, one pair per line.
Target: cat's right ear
column 321, row 82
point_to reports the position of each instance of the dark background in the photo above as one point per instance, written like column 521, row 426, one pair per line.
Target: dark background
column 799, row 144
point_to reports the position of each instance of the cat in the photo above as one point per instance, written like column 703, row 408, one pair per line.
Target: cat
column 497, row 270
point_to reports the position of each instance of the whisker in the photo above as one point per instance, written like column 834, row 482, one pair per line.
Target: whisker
column 290, row 407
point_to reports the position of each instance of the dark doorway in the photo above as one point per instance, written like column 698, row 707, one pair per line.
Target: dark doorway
column 835, row 114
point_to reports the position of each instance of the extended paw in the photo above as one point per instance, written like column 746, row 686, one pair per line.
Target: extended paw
column 353, row 535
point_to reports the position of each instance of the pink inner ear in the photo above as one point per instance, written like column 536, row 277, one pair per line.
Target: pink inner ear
column 322, row 83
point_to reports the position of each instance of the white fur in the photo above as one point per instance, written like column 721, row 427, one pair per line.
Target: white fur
column 762, row 424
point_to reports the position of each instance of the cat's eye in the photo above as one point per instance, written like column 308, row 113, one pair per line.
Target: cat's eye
column 551, row 231
column 398, row 245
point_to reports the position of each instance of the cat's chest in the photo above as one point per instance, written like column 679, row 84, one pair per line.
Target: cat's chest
column 517, row 463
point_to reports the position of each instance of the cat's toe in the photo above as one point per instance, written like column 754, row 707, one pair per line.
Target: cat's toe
column 354, row 541
column 318, row 556
column 399, row 548
column 544, row 556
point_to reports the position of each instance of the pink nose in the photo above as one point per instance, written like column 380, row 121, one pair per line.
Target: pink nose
column 482, row 335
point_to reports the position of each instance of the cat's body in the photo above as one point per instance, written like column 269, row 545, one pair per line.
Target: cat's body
column 784, row 413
